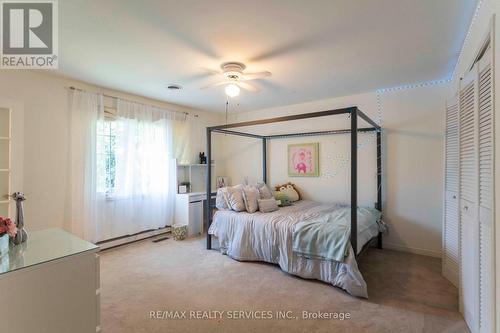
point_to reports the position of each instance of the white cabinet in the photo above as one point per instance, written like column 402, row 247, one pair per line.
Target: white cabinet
column 468, row 201
column 195, row 225
column 486, row 175
column 469, row 188
column 451, row 227
column 189, row 211
column 50, row 285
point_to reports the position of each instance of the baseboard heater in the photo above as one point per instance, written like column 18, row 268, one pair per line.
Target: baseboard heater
column 113, row 242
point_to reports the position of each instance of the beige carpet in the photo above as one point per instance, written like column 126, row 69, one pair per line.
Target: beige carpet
column 407, row 293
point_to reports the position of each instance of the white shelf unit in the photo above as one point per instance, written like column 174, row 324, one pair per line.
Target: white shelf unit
column 195, row 174
column 189, row 207
column 5, row 161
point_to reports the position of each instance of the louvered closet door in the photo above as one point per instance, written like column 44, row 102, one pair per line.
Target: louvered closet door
column 486, row 194
column 451, row 226
column 469, row 201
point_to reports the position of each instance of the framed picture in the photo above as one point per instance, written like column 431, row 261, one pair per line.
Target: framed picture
column 303, row 160
column 222, row 182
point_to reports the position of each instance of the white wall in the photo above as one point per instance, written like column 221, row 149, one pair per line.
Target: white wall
column 412, row 160
column 478, row 30
column 44, row 99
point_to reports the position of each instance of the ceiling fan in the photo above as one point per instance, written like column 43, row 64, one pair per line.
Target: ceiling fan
column 235, row 78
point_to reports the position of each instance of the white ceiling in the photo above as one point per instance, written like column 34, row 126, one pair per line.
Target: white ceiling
column 315, row 49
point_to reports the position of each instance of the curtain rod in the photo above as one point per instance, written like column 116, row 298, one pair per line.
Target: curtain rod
column 128, row 100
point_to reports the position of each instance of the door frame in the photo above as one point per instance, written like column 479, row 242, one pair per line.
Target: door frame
column 16, row 145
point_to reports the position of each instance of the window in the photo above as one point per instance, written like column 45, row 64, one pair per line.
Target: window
column 106, row 156
column 132, row 156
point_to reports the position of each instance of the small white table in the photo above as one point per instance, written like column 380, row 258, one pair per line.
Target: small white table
column 50, row 284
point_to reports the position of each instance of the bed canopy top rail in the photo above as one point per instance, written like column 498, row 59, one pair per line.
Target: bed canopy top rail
column 250, row 135
column 353, row 112
column 319, row 133
column 293, row 135
column 286, row 118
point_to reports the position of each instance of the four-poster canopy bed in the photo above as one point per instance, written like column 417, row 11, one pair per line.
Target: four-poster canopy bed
column 354, row 113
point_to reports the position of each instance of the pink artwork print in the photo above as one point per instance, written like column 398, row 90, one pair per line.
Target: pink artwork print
column 303, row 159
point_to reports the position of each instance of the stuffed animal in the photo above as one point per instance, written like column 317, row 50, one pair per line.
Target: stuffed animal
column 282, row 199
column 289, row 190
column 203, row 158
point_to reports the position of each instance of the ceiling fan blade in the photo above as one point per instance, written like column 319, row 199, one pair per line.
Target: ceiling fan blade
column 212, row 71
column 257, row 75
column 248, row 86
column 216, row 84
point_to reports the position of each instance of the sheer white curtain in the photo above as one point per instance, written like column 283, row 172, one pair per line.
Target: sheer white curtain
column 139, row 158
column 188, row 139
column 144, row 190
column 86, row 110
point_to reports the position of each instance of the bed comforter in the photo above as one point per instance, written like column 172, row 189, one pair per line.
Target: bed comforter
column 268, row 237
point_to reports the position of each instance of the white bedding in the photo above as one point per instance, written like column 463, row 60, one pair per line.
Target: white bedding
column 268, row 237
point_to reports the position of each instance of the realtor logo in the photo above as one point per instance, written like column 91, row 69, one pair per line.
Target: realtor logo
column 29, row 34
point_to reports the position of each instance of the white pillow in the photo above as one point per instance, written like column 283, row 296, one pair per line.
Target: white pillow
column 251, row 197
column 264, row 191
column 221, row 199
column 235, row 198
column 268, row 205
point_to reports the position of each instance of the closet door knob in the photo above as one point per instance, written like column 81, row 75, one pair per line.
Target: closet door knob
column 466, row 208
column 454, row 197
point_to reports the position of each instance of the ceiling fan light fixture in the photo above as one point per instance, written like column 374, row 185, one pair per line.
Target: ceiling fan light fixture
column 235, row 78
column 232, row 90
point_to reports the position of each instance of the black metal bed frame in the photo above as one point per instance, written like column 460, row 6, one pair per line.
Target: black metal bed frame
column 354, row 113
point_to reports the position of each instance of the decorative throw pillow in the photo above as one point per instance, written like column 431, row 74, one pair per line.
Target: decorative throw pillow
column 235, row 198
column 251, row 197
column 289, row 190
column 267, row 205
column 283, row 199
column 221, row 199
column 264, row 191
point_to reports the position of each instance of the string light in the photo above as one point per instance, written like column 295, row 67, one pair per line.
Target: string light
column 467, row 36
column 449, row 79
column 368, row 138
column 415, row 85
column 341, row 160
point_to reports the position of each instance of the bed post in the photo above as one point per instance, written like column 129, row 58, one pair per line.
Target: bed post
column 379, row 180
column 264, row 160
column 209, row 187
column 354, row 180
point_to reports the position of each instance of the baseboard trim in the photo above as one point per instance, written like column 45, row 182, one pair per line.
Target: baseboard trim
column 131, row 238
column 414, row 250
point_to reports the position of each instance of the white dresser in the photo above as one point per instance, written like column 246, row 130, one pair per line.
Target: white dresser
column 50, row 284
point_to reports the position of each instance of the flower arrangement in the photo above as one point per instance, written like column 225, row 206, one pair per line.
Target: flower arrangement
column 7, row 227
